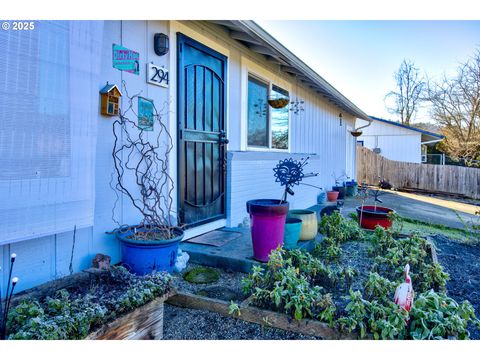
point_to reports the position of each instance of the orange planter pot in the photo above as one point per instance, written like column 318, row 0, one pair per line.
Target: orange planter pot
column 332, row 195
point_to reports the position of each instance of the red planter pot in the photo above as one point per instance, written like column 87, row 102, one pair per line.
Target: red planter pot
column 332, row 195
column 371, row 216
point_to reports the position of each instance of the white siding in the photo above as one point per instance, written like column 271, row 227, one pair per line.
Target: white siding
column 47, row 258
column 316, row 131
column 395, row 142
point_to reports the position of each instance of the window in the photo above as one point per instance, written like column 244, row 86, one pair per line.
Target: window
column 267, row 127
column 48, row 123
column 258, row 131
column 279, row 122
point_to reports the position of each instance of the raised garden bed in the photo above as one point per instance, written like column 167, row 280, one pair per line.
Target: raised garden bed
column 349, row 284
column 112, row 305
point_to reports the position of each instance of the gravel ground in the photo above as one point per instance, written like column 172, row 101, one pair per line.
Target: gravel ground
column 462, row 262
column 189, row 324
column 228, row 287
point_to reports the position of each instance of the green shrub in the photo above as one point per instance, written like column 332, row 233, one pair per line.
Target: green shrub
column 282, row 287
column 436, row 316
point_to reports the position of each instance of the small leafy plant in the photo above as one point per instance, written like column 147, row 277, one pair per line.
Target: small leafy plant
column 436, row 316
column 282, row 287
column 234, row 308
column 70, row 315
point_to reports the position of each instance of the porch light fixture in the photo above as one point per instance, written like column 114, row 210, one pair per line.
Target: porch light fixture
column 161, row 44
column 340, row 117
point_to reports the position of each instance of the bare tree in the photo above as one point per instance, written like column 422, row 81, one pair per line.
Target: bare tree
column 456, row 107
column 408, row 95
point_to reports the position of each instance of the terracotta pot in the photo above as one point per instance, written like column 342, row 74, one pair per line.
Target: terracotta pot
column 332, row 195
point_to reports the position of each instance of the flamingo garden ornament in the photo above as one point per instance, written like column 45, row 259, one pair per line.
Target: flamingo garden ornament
column 404, row 292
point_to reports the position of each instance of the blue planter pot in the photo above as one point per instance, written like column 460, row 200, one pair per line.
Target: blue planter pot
column 293, row 227
column 322, row 198
column 145, row 256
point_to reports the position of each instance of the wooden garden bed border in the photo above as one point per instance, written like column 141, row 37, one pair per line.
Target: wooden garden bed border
column 259, row 316
column 142, row 323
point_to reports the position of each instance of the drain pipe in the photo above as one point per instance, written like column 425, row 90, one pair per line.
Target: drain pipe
column 364, row 126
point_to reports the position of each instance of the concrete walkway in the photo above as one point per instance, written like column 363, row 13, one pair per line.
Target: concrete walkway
column 420, row 207
column 235, row 255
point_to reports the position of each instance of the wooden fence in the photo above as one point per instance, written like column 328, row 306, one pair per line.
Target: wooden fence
column 442, row 178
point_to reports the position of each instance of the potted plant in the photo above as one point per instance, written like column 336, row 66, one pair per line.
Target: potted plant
column 351, row 188
column 268, row 217
column 371, row 216
column 332, row 195
column 152, row 244
column 278, row 101
column 339, row 185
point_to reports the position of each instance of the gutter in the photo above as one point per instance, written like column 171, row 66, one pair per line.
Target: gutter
column 430, row 142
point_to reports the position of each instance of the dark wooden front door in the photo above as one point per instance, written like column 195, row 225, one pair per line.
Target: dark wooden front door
column 201, row 138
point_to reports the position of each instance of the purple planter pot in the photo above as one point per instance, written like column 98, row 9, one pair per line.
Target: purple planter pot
column 267, row 218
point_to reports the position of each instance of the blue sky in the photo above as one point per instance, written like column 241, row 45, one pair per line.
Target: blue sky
column 359, row 57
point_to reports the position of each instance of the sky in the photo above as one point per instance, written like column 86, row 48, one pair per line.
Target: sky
column 359, row 58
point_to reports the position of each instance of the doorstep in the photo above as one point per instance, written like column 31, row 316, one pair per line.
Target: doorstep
column 235, row 255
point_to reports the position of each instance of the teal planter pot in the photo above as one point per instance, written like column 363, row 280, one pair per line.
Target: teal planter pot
column 293, row 227
column 309, row 223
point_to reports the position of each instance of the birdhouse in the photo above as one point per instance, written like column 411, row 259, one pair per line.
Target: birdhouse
column 110, row 100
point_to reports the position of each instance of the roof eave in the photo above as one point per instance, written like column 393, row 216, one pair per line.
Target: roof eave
column 287, row 59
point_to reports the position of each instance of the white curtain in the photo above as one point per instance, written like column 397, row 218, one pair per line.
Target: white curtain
column 48, row 112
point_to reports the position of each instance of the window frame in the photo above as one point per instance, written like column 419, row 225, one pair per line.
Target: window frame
column 269, row 84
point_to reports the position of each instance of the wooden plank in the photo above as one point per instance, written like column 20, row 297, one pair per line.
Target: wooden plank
column 143, row 323
column 450, row 179
column 259, row 316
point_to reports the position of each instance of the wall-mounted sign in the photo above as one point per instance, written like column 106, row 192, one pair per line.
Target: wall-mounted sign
column 157, row 75
column 145, row 114
column 125, row 59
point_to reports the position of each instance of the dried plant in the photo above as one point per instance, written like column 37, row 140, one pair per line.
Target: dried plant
column 141, row 172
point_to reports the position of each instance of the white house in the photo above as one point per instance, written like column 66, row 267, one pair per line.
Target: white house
column 56, row 161
column 396, row 141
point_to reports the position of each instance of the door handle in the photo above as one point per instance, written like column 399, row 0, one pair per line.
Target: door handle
column 222, row 138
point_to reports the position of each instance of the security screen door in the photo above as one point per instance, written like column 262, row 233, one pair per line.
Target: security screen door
column 201, row 119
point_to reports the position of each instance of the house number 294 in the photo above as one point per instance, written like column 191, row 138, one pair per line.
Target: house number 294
column 157, row 75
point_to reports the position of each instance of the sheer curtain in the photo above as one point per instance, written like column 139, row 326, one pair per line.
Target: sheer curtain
column 48, row 112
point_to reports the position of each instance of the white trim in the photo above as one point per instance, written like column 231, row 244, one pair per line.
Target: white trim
column 174, row 27
column 202, row 229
